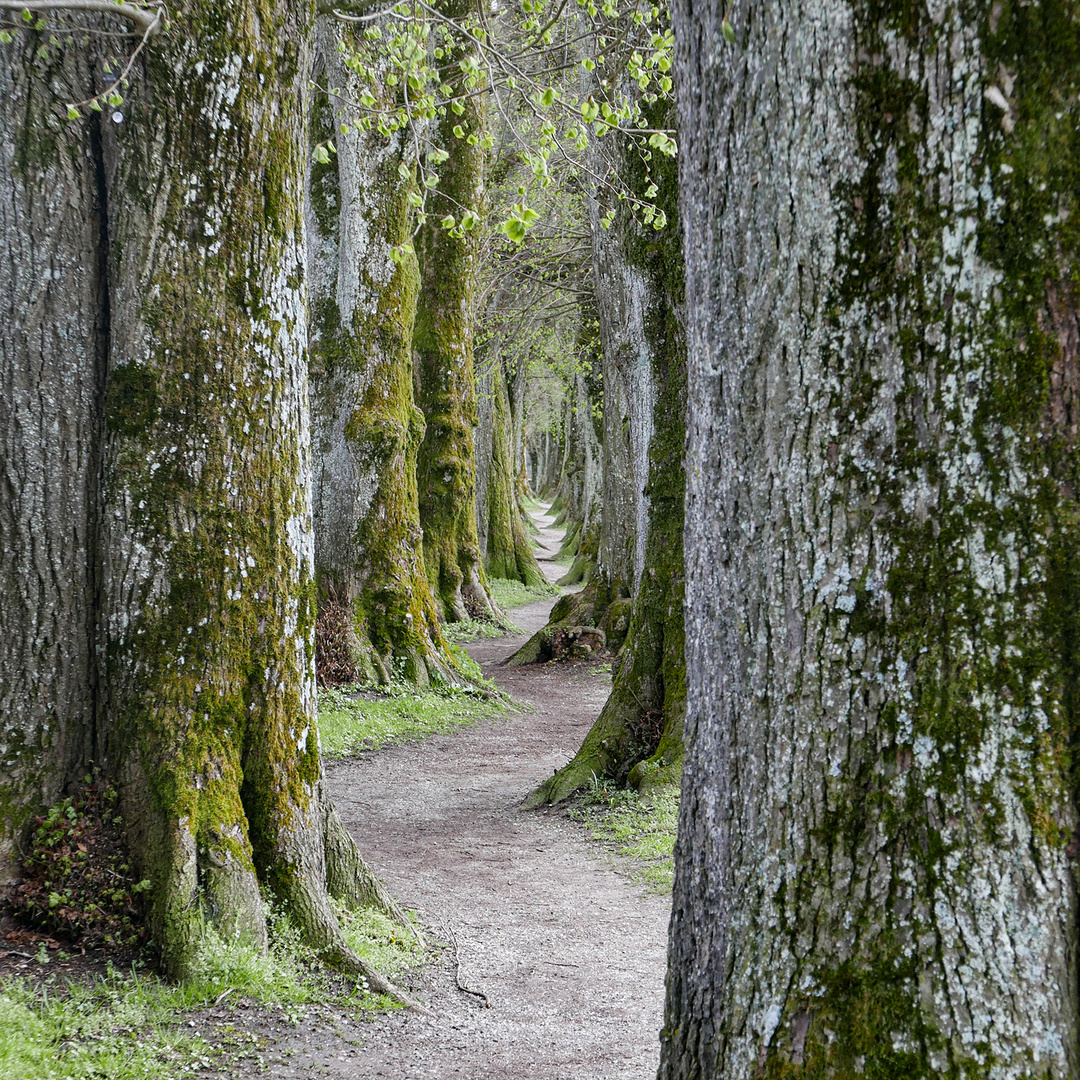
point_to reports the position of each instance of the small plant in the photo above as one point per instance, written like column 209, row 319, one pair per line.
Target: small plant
column 603, row 791
column 78, row 882
column 640, row 829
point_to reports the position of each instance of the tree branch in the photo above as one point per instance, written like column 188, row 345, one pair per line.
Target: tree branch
column 145, row 20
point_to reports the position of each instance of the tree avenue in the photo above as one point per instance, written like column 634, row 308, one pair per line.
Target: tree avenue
column 876, row 865
column 269, row 321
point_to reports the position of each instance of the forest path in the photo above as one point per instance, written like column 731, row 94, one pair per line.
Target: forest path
column 569, row 952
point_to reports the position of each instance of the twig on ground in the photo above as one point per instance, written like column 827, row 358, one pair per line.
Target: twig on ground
column 457, row 967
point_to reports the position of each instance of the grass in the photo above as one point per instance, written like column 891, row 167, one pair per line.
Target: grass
column 641, row 829
column 396, row 713
column 471, row 629
column 134, row 1026
column 514, row 594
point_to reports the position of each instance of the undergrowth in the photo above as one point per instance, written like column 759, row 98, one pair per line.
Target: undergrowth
column 77, row 882
column 639, row 828
column 352, row 719
column 128, row 1026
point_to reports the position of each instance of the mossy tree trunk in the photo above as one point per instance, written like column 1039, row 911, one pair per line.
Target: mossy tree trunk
column 444, row 363
column 376, row 606
column 504, row 544
column 578, row 496
column 876, row 869
column 627, row 410
column 516, row 383
column 196, row 336
column 637, row 738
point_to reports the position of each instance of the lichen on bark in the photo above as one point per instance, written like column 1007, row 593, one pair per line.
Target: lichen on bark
column 876, row 873
column 53, row 333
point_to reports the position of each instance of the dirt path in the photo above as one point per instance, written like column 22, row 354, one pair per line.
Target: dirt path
column 569, row 953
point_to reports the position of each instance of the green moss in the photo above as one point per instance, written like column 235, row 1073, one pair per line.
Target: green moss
column 509, row 554
column 445, row 370
column 394, row 619
column 975, row 620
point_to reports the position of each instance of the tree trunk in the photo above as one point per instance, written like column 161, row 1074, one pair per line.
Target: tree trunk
column 377, row 612
column 504, row 545
column 628, row 398
column 581, row 483
column 637, row 738
column 444, row 368
column 876, row 865
column 53, row 334
column 206, row 590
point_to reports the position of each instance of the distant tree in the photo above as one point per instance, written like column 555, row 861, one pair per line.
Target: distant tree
column 636, row 590
column 876, row 871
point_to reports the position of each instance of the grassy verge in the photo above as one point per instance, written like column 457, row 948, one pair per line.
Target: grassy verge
column 470, row 629
column 359, row 718
column 128, row 1026
column 513, row 594
column 640, row 829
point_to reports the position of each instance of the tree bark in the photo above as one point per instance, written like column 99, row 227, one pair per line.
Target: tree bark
column 578, row 495
column 504, row 545
column 444, row 364
column 206, row 695
column 365, row 427
column 876, row 867
column 53, row 336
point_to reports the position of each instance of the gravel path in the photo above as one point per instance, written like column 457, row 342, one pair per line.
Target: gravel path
column 569, row 953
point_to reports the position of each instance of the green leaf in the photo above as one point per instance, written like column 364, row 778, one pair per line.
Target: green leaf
column 448, row 222
column 459, row 132
column 547, row 98
column 514, row 230
column 728, row 31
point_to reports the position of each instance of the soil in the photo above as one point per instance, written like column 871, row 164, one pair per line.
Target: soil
column 569, row 953
column 564, row 955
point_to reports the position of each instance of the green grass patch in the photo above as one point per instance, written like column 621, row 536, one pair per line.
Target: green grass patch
column 352, row 719
column 470, row 629
column 513, row 594
column 135, row 1026
column 641, row 829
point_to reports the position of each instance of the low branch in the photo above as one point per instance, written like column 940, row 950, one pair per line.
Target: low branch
column 145, row 20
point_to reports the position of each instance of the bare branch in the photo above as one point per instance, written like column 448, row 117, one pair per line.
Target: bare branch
column 146, row 20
